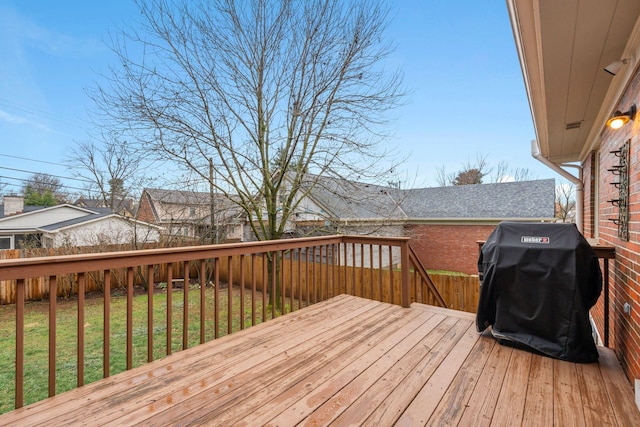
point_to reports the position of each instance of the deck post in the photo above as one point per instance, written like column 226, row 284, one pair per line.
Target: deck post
column 404, row 276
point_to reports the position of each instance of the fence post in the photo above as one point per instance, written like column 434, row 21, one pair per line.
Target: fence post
column 404, row 274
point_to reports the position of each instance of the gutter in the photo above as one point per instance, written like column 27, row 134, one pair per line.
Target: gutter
column 577, row 181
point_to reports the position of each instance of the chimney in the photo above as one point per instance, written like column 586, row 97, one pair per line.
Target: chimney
column 13, row 205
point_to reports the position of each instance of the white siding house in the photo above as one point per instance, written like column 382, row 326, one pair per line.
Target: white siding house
column 68, row 225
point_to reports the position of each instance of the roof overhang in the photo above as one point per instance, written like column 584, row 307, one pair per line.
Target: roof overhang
column 564, row 47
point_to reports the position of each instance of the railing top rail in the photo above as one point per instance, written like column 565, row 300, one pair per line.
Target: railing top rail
column 65, row 264
column 374, row 239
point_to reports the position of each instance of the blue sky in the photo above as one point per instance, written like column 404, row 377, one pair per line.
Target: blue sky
column 458, row 58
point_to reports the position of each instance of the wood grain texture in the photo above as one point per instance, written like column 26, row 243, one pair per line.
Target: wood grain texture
column 351, row 361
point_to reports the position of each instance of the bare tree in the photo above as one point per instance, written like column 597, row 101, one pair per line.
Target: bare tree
column 476, row 173
column 565, row 202
column 443, row 178
column 112, row 167
column 266, row 89
column 505, row 173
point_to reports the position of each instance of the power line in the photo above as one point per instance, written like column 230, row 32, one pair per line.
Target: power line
column 48, row 174
column 32, row 160
column 42, row 113
column 27, row 180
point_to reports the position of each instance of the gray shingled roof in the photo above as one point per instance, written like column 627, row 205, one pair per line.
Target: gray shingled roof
column 524, row 199
column 179, row 197
column 80, row 220
column 351, row 199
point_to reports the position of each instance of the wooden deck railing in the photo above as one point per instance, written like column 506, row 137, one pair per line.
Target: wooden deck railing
column 237, row 284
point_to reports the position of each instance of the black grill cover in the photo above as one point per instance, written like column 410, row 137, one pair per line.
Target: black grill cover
column 538, row 282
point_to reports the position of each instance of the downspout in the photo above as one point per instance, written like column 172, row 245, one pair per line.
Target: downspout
column 535, row 152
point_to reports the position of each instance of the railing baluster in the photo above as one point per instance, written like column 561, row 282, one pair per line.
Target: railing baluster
column 283, row 283
column 311, row 262
column 129, row 318
column 333, row 270
column 371, row 285
column 149, row 313
column 19, row 392
column 405, row 297
column 327, row 270
column 203, row 298
column 216, row 293
column 363, row 290
column 253, row 289
column 53, row 298
column 320, row 275
column 264, row 286
column 380, row 272
column 353, row 270
column 273, row 285
column 185, row 304
column 80, row 337
column 106, row 321
column 336, row 270
column 230, row 295
column 169, row 307
column 291, row 281
column 391, row 284
column 242, row 277
column 299, row 276
column 306, row 275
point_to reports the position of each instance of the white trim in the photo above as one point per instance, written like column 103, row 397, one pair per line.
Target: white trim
column 39, row 211
column 99, row 218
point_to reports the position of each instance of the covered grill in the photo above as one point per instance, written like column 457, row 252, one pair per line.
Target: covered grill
column 539, row 281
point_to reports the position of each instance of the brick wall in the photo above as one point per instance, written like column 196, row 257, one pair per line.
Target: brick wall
column 589, row 173
column 145, row 212
column 448, row 247
column 625, row 285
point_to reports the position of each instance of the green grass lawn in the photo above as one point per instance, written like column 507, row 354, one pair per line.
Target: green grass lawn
column 37, row 336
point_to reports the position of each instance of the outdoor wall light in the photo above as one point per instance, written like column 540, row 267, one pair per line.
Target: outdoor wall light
column 615, row 66
column 620, row 119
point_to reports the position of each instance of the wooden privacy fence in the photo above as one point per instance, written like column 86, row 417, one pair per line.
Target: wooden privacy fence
column 459, row 292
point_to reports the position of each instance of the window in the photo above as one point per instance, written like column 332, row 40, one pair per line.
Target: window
column 5, row 242
column 27, row 241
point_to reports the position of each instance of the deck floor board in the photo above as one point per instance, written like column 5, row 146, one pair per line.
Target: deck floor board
column 351, row 361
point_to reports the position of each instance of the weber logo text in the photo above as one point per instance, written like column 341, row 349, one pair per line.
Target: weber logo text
column 534, row 239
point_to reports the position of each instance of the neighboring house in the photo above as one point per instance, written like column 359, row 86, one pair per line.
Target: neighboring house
column 444, row 223
column 68, row 225
column 581, row 63
column 124, row 207
column 187, row 214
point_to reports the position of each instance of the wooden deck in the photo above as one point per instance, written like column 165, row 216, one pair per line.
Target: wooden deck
column 351, row 361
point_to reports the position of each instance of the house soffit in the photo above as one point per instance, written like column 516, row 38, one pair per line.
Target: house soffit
column 564, row 47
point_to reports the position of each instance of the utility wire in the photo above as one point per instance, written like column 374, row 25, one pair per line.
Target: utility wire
column 27, row 180
column 32, row 160
column 48, row 174
column 36, row 112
